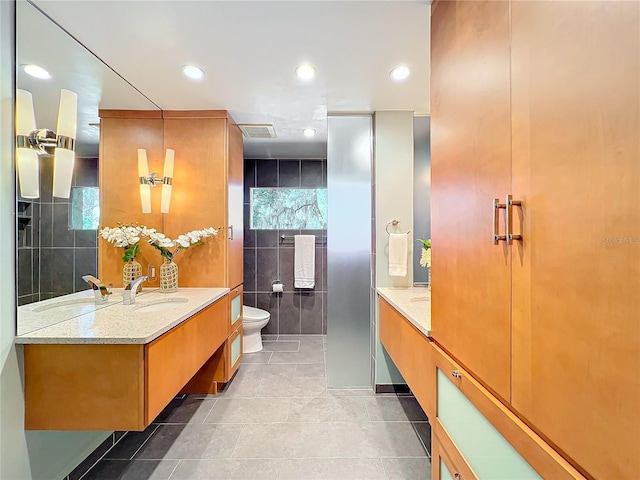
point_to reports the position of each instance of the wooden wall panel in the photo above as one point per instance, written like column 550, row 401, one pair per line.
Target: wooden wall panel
column 471, row 165
column 576, row 275
column 120, row 139
column 84, row 387
column 199, row 196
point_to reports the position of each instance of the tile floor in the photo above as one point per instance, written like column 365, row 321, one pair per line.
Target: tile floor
column 278, row 420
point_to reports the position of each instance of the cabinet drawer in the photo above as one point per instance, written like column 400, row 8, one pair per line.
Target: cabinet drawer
column 492, row 439
column 235, row 297
column 411, row 352
column 446, row 460
column 176, row 356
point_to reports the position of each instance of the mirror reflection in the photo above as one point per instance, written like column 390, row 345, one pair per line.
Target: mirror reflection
column 57, row 237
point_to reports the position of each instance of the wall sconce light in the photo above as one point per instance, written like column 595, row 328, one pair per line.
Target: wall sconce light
column 31, row 142
column 149, row 180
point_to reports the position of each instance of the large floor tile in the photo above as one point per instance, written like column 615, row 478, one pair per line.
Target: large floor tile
column 242, row 385
column 284, row 440
column 310, row 356
column 327, row 409
column 281, row 346
column 131, row 470
column 375, row 439
column 292, row 387
column 249, row 410
column 227, row 469
column 351, row 392
column 257, row 357
column 310, row 370
column 260, row 371
column 332, row 469
column 130, row 443
column 191, row 441
column 407, row 468
column 190, row 409
column 395, row 409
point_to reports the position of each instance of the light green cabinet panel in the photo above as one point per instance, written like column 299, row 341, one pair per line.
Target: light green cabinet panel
column 486, row 451
column 444, row 471
column 236, row 306
column 236, row 349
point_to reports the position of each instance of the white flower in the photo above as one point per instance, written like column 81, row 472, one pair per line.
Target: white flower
column 425, row 258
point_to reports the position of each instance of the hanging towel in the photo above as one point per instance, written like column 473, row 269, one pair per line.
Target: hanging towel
column 304, row 268
column 398, row 254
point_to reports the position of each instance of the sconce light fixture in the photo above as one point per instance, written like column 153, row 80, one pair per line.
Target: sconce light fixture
column 150, row 180
column 31, row 142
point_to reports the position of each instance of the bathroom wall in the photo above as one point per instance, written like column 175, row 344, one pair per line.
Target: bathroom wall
column 52, row 258
column 267, row 258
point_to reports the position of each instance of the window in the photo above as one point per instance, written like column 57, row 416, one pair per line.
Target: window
column 84, row 208
column 288, row 208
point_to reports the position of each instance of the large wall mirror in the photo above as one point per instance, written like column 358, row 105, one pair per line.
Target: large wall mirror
column 57, row 237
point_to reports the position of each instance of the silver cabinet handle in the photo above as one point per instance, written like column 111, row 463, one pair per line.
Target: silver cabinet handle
column 497, row 206
column 456, row 374
column 510, row 202
column 230, row 232
column 457, row 476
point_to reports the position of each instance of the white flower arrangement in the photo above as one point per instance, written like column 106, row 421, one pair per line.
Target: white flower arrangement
column 425, row 258
column 124, row 236
column 163, row 243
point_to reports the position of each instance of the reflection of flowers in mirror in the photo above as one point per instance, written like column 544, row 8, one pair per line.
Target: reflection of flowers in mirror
column 425, row 258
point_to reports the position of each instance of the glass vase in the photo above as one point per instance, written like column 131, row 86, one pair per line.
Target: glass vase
column 131, row 270
column 168, row 276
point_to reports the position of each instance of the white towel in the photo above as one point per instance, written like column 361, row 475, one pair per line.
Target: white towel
column 398, row 254
column 304, row 267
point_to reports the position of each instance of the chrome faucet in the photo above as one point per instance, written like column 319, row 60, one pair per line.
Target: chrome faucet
column 100, row 290
column 130, row 291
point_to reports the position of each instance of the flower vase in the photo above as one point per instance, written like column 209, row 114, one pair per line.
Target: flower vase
column 168, row 276
column 132, row 270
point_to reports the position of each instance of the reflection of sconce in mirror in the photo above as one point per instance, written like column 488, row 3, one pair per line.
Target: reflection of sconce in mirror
column 30, row 142
column 149, row 180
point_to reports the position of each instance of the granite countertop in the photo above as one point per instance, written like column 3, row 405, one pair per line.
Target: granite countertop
column 124, row 324
column 413, row 303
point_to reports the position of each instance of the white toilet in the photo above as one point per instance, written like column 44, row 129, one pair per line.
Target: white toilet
column 253, row 320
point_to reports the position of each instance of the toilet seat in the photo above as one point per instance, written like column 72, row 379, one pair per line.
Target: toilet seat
column 252, row 314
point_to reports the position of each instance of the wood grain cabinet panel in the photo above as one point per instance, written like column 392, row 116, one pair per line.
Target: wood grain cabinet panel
column 117, row 387
column 471, row 166
column 410, row 351
column 576, row 275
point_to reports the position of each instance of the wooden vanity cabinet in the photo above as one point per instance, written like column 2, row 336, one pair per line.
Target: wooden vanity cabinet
column 541, row 101
column 117, row 386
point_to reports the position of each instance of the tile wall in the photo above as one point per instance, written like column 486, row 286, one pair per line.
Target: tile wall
column 268, row 258
column 52, row 258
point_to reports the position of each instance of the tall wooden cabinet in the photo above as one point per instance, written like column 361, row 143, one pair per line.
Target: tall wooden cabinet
column 541, row 100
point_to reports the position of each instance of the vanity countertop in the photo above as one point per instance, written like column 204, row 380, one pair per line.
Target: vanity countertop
column 413, row 303
column 126, row 324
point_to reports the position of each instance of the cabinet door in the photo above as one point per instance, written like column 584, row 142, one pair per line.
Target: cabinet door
column 576, row 275
column 471, row 165
column 235, row 166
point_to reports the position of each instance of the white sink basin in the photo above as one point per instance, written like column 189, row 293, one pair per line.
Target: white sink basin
column 419, row 299
column 160, row 305
column 78, row 303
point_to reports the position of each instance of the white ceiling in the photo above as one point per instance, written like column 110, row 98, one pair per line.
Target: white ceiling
column 249, row 50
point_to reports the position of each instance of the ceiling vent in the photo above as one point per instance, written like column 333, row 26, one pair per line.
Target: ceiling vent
column 258, row 130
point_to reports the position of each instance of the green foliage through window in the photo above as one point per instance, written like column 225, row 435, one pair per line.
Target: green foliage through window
column 288, row 208
column 84, row 208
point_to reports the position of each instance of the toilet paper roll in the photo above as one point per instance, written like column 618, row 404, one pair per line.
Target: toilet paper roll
column 278, row 287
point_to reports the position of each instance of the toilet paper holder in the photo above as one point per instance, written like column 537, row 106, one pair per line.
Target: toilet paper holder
column 277, row 286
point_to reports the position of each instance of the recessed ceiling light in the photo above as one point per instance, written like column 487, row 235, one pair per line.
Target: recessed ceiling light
column 400, row 73
column 36, row 71
column 309, row 132
column 306, row 71
column 193, row 72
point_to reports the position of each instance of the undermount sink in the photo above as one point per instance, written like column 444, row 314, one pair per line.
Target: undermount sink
column 161, row 305
column 419, row 299
column 78, row 302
